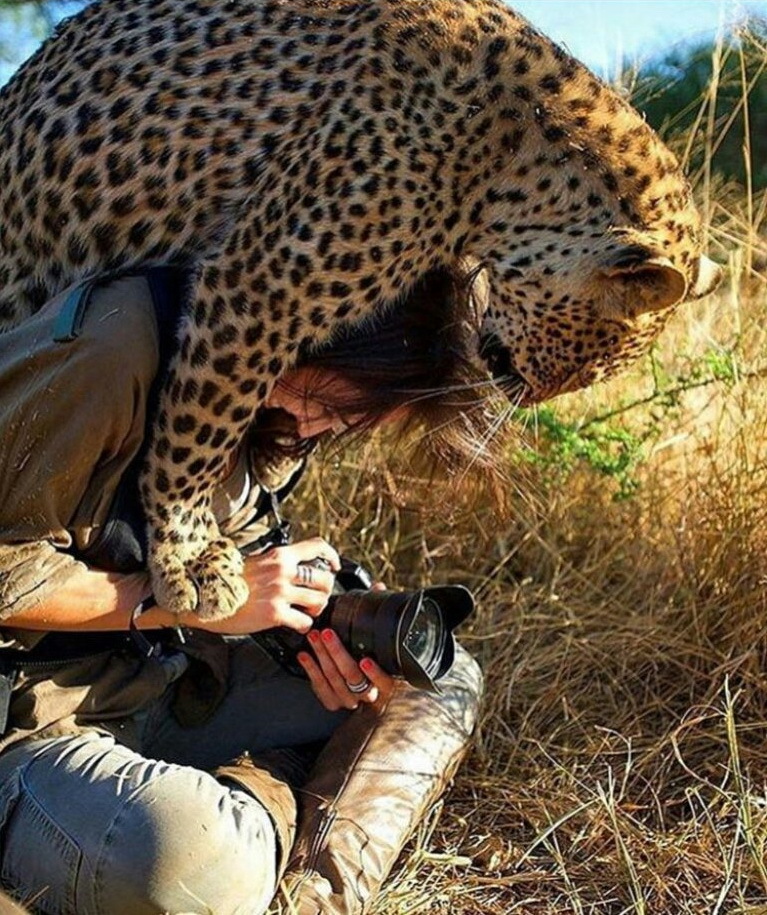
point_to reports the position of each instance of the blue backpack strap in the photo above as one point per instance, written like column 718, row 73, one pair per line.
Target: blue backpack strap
column 69, row 320
column 166, row 285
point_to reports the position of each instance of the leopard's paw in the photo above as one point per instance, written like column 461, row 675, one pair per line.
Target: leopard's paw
column 218, row 575
column 173, row 588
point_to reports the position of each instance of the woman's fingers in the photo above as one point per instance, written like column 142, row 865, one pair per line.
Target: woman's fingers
column 334, row 672
column 284, row 589
column 314, row 548
column 383, row 683
column 313, row 579
column 312, row 600
column 322, row 689
column 377, row 675
column 340, row 669
column 292, row 618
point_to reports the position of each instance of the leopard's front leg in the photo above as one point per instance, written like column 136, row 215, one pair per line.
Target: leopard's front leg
column 215, row 383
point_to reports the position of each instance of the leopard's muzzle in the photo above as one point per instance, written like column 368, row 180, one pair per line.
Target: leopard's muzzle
column 497, row 358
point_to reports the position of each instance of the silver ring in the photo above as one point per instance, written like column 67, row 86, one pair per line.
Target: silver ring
column 362, row 687
column 305, row 574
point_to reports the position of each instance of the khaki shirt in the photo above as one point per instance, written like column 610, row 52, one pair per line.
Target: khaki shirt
column 72, row 418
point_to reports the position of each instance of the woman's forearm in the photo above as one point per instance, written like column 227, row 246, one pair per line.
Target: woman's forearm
column 92, row 600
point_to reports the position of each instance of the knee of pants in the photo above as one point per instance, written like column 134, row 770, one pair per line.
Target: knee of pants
column 462, row 689
column 186, row 844
column 467, row 673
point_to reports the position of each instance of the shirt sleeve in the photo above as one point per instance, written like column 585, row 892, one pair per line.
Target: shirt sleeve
column 72, row 417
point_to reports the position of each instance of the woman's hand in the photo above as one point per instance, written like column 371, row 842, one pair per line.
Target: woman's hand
column 332, row 671
column 283, row 590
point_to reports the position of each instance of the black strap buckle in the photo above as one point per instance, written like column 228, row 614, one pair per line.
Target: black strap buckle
column 142, row 644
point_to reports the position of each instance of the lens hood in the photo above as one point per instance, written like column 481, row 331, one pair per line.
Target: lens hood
column 455, row 603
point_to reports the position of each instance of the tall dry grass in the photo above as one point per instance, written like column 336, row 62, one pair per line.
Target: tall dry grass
column 621, row 762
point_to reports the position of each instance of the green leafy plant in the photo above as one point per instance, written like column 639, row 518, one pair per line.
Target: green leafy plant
column 615, row 443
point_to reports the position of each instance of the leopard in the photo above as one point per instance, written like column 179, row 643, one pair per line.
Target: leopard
column 308, row 161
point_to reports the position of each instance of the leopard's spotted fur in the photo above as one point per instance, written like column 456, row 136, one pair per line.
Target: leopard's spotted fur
column 313, row 158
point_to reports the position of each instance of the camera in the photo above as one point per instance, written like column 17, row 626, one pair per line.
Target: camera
column 408, row 633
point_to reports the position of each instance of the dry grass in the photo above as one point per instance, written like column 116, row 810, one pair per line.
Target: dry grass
column 621, row 762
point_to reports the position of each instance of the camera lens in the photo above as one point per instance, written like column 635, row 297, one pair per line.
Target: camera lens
column 409, row 633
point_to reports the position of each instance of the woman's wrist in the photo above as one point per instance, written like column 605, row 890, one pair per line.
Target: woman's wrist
column 152, row 616
column 156, row 617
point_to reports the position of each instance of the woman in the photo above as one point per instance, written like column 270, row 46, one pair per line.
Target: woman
column 164, row 779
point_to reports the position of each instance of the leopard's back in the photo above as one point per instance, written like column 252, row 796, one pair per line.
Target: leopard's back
column 375, row 140
column 131, row 137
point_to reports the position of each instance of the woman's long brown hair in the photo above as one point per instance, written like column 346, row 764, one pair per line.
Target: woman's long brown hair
column 419, row 356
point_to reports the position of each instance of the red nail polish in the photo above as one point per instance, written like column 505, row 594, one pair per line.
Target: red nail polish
column 367, row 665
column 327, row 635
column 302, row 658
column 313, row 636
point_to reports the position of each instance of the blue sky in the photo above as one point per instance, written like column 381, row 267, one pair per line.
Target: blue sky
column 602, row 32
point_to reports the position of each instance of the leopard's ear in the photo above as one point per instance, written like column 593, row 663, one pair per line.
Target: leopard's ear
column 639, row 280
column 709, row 277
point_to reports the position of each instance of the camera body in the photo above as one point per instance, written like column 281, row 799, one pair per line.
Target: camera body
column 408, row 633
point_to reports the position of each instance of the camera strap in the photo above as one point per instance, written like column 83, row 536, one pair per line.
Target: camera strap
column 278, row 535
